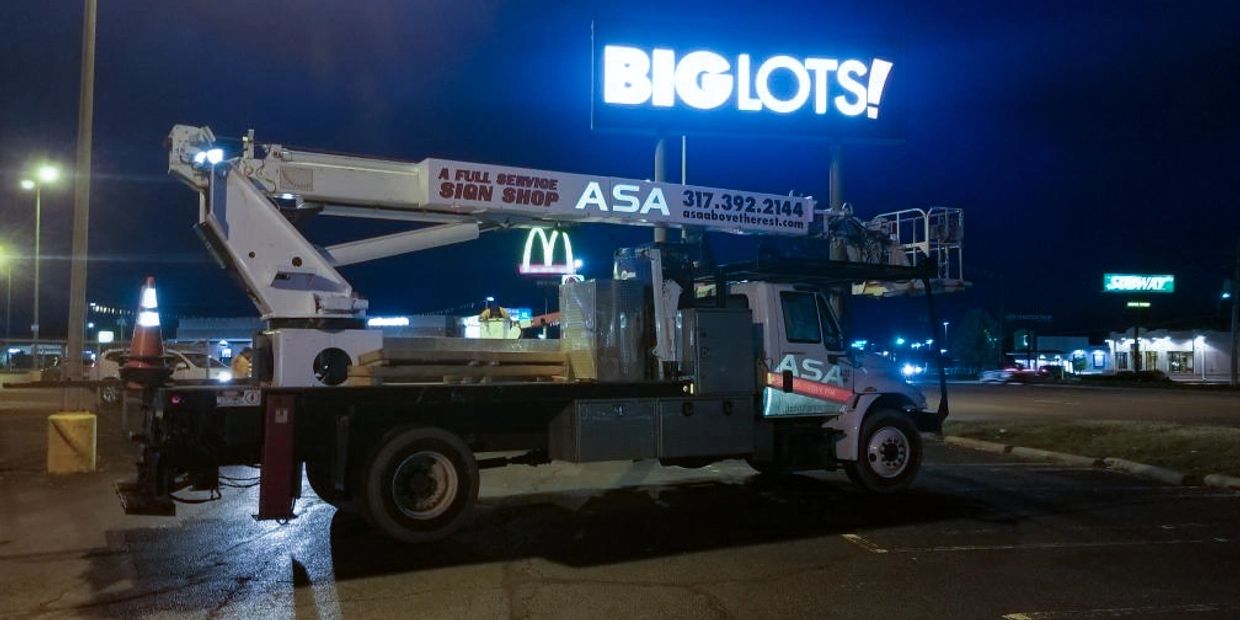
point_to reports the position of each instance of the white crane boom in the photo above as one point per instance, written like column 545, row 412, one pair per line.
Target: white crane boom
column 241, row 216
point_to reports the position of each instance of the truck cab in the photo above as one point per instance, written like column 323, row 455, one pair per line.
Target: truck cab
column 858, row 405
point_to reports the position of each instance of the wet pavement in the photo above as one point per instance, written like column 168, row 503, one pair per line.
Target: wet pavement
column 980, row 536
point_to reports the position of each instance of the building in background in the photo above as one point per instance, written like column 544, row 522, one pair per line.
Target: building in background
column 1185, row 355
column 1074, row 354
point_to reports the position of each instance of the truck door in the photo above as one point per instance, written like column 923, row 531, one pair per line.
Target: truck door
column 804, row 343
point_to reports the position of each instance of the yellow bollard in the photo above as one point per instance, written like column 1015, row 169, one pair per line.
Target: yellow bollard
column 71, row 442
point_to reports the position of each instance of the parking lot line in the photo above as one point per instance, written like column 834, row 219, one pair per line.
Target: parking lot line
column 1121, row 612
column 863, row 542
column 1056, row 545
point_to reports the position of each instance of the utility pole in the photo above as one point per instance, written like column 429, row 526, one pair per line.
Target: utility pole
column 1235, row 318
column 81, row 197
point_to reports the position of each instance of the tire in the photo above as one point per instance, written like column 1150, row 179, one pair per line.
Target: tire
column 419, row 485
column 111, row 392
column 319, row 475
column 889, row 455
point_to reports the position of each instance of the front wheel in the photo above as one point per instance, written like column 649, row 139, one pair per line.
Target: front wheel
column 420, row 485
column 889, row 454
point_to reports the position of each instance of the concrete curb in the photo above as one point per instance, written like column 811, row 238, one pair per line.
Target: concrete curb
column 1161, row 474
column 977, row 444
column 1222, row 482
column 1142, row 470
column 1060, row 457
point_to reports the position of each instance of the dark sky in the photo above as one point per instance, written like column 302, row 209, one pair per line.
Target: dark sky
column 1078, row 137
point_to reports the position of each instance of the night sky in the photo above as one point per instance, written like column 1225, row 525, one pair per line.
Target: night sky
column 1078, row 137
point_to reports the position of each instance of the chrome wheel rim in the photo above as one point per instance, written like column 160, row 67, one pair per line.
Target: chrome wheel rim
column 888, row 452
column 424, row 485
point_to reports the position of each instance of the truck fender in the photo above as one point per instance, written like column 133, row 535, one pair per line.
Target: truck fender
column 853, row 415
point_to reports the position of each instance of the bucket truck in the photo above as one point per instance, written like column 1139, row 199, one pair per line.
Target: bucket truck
column 676, row 358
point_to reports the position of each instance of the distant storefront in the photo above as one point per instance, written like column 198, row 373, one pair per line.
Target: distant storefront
column 1073, row 354
column 1186, row 355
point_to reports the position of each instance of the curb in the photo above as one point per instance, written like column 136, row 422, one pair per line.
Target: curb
column 1222, row 482
column 1161, row 474
column 977, row 444
column 1061, row 457
column 1142, row 470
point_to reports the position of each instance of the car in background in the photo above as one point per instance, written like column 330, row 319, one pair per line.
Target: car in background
column 1010, row 374
column 1020, row 374
column 997, row 375
column 186, row 366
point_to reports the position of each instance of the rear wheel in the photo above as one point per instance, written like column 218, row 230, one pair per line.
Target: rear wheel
column 419, row 485
column 319, row 475
column 889, row 455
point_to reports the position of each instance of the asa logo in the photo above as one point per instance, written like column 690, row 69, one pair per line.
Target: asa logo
column 811, row 369
column 625, row 198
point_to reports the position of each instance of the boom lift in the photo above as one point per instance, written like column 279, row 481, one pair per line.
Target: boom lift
column 676, row 358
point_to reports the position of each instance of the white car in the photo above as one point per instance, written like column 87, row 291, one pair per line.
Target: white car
column 187, row 366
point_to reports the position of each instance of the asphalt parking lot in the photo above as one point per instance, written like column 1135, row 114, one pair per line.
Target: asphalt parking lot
column 981, row 536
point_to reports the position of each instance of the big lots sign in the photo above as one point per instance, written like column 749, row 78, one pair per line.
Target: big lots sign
column 815, row 86
column 708, row 81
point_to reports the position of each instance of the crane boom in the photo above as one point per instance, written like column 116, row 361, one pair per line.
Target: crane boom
column 245, row 200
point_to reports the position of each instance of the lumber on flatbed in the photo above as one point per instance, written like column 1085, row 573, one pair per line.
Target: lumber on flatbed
column 462, row 350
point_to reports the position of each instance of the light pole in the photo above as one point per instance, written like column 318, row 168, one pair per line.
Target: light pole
column 7, row 260
column 44, row 175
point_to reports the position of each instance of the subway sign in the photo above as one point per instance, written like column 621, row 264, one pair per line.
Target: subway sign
column 1137, row 283
column 815, row 86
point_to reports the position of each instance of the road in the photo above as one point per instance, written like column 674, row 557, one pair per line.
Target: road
column 980, row 536
column 1068, row 402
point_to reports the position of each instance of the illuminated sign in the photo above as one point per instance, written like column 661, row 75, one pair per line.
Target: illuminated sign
column 706, row 80
column 729, row 79
column 542, row 194
column 547, row 244
column 105, row 336
column 1138, row 304
column 387, row 321
column 1137, row 283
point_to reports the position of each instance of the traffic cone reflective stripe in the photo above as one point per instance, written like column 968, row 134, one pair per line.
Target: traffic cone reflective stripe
column 146, row 363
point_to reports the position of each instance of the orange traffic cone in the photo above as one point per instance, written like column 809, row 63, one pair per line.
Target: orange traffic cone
column 146, row 364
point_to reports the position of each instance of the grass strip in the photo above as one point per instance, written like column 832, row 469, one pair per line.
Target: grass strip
column 1190, row 449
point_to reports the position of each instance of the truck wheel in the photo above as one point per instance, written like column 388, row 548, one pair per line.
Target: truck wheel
column 420, row 485
column 319, row 475
column 111, row 392
column 889, row 455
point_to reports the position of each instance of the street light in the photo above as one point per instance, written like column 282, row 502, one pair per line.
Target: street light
column 45, row 174
column 6, row 260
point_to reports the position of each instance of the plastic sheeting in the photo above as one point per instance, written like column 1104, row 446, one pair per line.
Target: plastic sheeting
column 603, row 326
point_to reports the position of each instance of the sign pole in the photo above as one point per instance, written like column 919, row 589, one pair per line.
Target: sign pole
column 836, row 179
column 660, row 175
